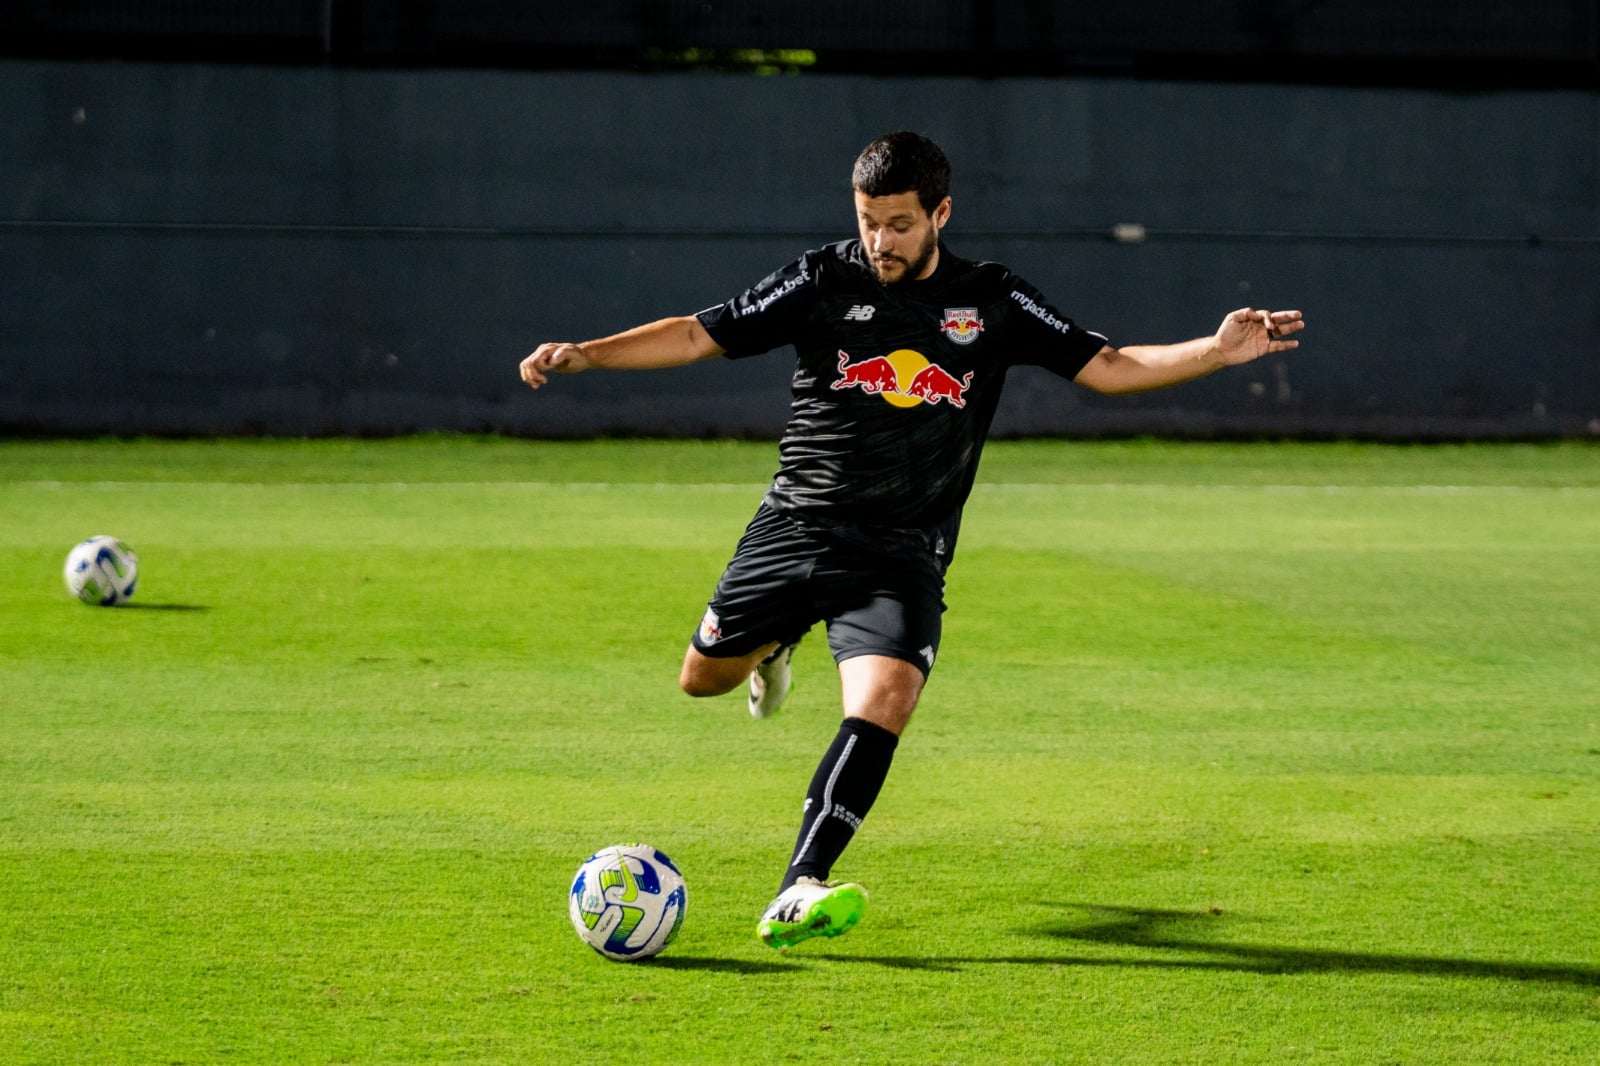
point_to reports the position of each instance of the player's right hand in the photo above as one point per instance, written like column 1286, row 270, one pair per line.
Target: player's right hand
column 558, row 357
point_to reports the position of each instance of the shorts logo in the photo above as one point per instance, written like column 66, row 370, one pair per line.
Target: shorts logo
column 710, row 627
column 961, row 324
column 904, row 378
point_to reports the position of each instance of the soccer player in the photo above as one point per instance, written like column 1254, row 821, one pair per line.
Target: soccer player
column 902, row 352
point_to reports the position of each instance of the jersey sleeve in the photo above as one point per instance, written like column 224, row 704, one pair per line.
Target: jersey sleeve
column 1042, row 336
column 767, row 316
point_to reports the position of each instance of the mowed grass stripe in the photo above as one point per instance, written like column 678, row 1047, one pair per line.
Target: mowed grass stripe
column 732, row 486
column 455, row 458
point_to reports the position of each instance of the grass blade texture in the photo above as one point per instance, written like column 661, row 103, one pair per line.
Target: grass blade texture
column 1234, row 753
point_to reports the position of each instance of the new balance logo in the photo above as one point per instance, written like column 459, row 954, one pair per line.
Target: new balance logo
column 860, row 313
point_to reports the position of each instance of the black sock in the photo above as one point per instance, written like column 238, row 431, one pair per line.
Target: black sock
column 842, row 791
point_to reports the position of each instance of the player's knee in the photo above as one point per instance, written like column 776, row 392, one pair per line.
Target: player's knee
column 698, row 678
column 882, row 690
column 695, row 685
column 893, row 717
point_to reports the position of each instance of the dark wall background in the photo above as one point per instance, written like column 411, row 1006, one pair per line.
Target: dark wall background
column 345, row 247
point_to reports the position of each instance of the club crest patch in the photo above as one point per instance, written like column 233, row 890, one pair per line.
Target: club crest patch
column 961, row 324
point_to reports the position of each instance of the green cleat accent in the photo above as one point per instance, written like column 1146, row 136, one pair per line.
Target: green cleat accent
column 810, row 908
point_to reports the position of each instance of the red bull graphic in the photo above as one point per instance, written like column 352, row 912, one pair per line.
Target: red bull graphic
column 934, row 383
column 870, row 375
column 904, row 378
column 961, row 324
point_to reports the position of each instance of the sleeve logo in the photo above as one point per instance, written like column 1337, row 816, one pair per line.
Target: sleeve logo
column 761, row 303
column 1042, row 313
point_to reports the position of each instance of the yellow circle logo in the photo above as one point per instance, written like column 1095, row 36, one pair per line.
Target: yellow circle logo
column 907, row 365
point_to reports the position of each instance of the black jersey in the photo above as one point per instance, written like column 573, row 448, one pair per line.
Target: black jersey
column 895, row 386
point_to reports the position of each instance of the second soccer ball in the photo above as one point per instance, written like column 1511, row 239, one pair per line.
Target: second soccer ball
column 102, row 571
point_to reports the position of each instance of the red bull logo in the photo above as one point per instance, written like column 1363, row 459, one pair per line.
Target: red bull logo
column 904, row 378
column 961, row 324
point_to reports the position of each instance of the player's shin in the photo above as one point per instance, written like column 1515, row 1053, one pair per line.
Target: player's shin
column 842, row 791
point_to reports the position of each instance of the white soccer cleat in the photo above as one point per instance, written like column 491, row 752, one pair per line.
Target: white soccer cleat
column 811, row 908
column 771, row 681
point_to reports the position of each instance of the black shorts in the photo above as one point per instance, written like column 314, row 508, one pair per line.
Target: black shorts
column 786, row 576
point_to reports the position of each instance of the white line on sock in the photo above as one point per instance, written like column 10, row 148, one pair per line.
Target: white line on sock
column 827, row 800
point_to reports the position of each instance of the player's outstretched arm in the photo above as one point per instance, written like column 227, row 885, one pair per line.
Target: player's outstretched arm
column 663, row 343
column 1244, row 335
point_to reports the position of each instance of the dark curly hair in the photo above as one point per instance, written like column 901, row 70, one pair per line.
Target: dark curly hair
column 903, row 162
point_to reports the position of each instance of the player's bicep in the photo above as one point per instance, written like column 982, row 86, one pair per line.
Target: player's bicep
column 1103, row 371
column 700, row 342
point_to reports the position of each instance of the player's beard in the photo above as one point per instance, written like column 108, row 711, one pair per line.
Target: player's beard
column 914, row 267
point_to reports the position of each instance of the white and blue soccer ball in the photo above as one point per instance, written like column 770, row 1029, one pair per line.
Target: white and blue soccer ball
column 627, row 901
column 102, row 571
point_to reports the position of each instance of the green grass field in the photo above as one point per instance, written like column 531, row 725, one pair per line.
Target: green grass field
column 1234, row 753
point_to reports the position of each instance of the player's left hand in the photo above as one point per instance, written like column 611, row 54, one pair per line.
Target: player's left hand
column 557, row 357
column 1248, row 334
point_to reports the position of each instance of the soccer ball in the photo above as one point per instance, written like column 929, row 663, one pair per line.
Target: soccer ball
column 627, row 901
column 101, row 571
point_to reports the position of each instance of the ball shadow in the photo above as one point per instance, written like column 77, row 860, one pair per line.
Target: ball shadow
column 131, row 606
column 715, row 965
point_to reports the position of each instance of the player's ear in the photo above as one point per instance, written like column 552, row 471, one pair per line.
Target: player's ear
column 941, row 213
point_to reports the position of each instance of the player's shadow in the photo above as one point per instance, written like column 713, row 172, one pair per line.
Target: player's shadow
column 1194, row 933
